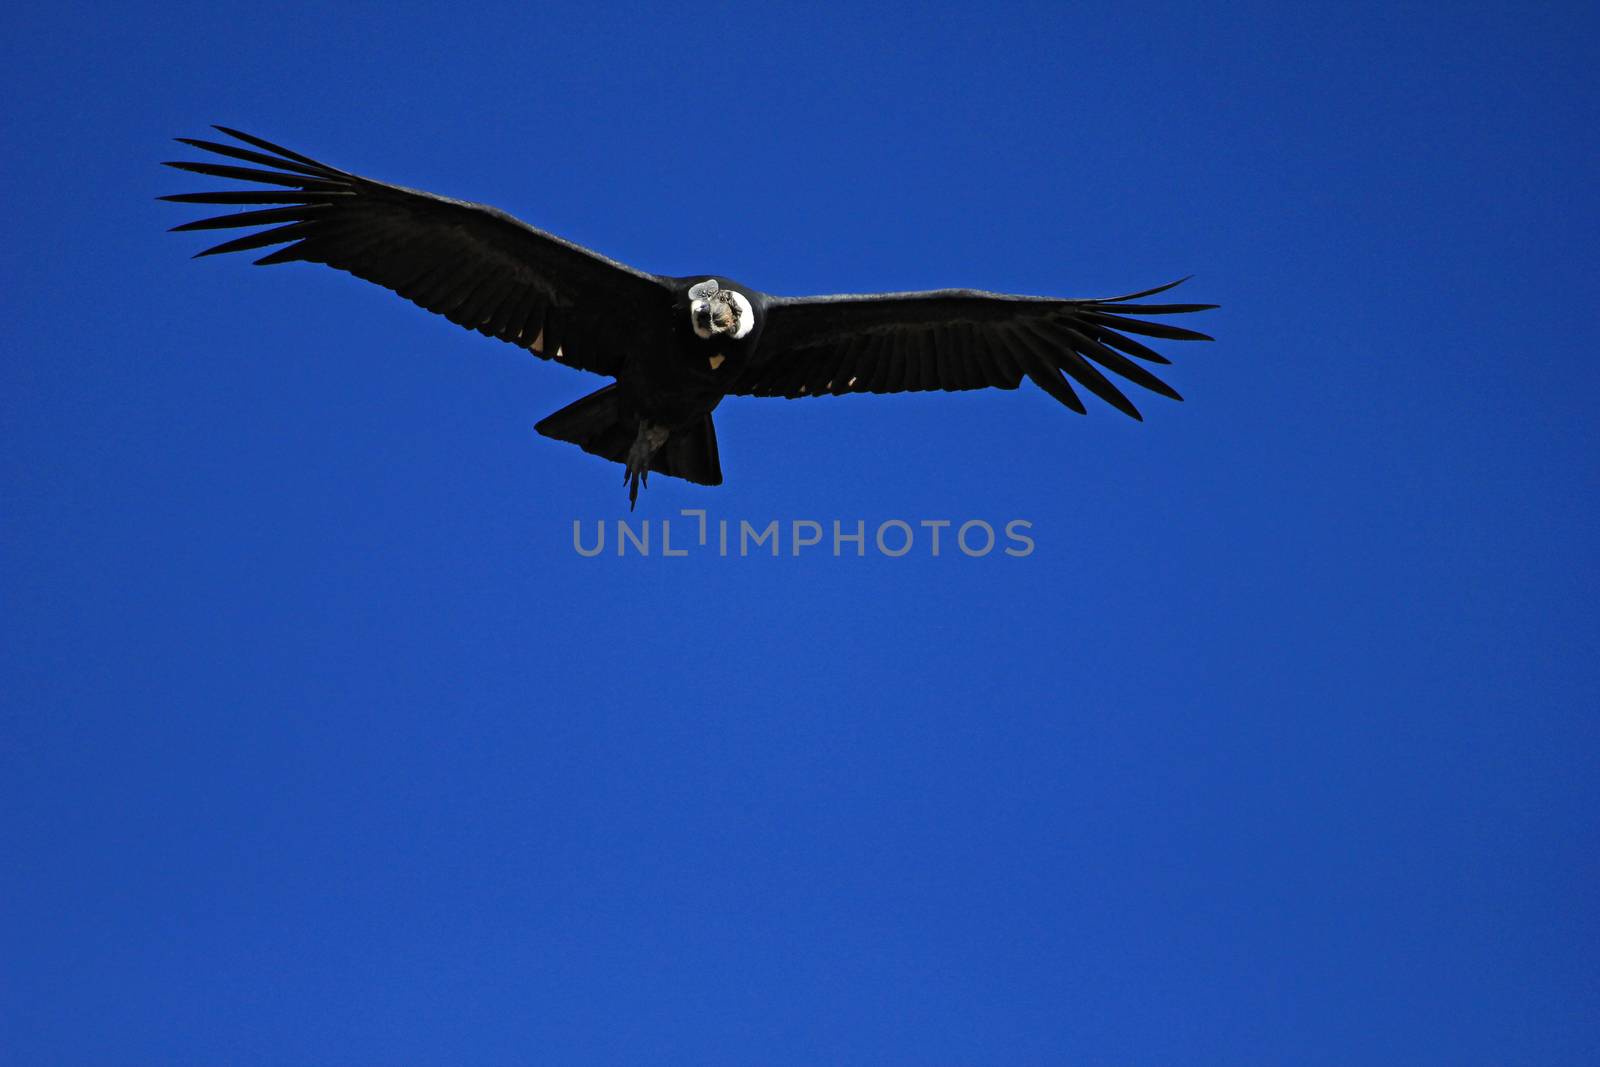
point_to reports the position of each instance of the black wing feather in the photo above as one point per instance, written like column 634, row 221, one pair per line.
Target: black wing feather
column 473, row 264
column 957, row 339
column 293, row 213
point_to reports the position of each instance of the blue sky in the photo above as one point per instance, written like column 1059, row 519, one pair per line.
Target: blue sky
column 322, row 745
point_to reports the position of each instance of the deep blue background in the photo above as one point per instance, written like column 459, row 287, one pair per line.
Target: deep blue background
column 321, row 745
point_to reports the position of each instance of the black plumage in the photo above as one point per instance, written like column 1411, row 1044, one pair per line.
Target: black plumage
column 676, row 346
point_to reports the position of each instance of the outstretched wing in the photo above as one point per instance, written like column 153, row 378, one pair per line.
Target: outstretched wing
column 477, row 266
column 960, row 339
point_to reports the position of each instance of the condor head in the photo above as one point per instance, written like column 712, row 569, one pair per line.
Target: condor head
column 718, row 312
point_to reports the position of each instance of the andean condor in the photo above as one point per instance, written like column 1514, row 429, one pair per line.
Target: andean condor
column 676, row 346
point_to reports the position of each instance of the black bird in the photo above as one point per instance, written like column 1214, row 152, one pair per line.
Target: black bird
column 676, row 346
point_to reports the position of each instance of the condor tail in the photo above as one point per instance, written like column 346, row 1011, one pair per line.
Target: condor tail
column 601, row 426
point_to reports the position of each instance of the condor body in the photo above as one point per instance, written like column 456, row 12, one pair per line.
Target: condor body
column 675, row 346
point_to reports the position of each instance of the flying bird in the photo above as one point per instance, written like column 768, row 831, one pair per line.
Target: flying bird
column 676, row 346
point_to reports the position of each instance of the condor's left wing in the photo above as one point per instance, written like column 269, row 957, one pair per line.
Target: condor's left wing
column 961, row 339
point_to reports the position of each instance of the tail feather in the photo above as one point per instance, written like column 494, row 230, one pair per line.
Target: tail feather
column 691, row 454
column 600, row 425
